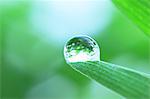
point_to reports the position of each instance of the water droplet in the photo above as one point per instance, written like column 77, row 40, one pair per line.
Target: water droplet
column 81, row 48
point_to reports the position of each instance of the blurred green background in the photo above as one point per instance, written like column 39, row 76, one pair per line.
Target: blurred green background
column 34, row 32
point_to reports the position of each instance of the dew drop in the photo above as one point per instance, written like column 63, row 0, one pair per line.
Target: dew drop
column 80, row 49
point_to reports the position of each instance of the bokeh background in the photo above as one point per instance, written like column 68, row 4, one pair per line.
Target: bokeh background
column 33, row 34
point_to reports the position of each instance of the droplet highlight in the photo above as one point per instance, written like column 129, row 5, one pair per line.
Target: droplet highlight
column 80, row 49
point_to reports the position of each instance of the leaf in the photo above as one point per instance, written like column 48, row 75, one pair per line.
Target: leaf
column 138, row 11
column 127, row 82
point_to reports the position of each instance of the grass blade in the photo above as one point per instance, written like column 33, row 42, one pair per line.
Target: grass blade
column 138, row 11
column 127, row 82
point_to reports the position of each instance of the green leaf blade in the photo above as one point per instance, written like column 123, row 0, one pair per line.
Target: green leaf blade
column 126, row 82
column 138, row 11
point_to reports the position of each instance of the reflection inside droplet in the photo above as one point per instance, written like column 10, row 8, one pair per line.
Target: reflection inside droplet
column 81, row 48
